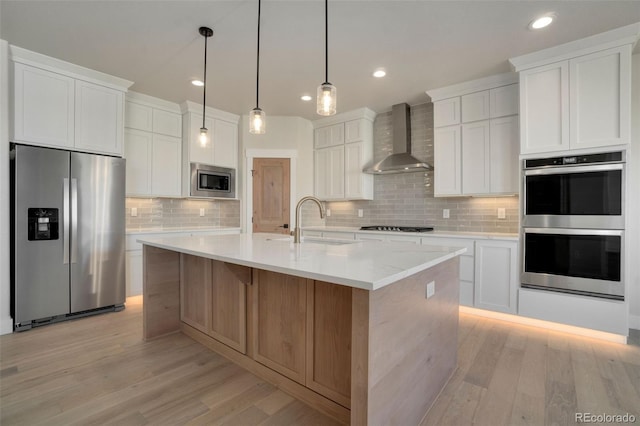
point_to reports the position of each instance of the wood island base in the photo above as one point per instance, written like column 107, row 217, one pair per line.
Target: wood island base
column 363, row 357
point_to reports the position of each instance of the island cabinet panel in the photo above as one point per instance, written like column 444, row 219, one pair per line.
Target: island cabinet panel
column 404, row 346
column 279, row 323
column 195, row 291
column 228, row 303
column 329, row 341
column 161, row 292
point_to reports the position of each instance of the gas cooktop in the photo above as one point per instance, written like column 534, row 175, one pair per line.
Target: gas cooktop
column 396, row 228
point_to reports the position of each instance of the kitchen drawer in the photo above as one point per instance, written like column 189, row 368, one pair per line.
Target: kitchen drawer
column 451, row 242
column 316, row 234
column 370, row 237
column 403, row 239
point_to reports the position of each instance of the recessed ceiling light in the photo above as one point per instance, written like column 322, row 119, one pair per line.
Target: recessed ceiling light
column 542, row 21
column 197, row 83
column 379, row 73
column 306, row 98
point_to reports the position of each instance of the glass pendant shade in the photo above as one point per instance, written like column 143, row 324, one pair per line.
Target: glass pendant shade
column 327, row 96
column 257, row 122
column 203, row 138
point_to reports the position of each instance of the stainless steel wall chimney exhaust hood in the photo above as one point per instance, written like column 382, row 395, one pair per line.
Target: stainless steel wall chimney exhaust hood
column 401, row 160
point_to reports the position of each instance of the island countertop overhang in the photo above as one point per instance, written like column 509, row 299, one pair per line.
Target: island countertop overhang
column 368, row 265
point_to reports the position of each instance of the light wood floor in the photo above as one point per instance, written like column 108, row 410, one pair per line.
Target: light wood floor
column 99, row 371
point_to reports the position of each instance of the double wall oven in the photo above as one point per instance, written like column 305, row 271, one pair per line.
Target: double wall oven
column 573, row 224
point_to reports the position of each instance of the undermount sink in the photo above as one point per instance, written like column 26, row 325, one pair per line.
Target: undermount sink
column 307, row 240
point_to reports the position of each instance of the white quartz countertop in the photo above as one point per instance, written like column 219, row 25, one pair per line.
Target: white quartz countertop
column 435, row 233
column 369, row 265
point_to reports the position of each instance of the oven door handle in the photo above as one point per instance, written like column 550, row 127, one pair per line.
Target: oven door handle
column 564, row 231
column 574, row 169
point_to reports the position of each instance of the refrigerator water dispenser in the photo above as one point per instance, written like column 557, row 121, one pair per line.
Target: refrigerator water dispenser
column 43, row 224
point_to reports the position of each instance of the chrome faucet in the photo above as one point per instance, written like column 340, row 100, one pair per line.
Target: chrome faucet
column 296, row 231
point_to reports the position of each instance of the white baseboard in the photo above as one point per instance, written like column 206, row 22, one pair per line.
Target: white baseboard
column 634, row 322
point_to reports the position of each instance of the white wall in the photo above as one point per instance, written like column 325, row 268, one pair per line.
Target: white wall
column 290, row 133
column 6, row 323
column 633, row 200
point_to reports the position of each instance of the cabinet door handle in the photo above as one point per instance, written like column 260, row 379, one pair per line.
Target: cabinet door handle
column 285, row 226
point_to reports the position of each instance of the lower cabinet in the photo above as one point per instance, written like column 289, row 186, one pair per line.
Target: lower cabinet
column 496, row 276
column 213, row 299
column 279, row 309
column 329, row 341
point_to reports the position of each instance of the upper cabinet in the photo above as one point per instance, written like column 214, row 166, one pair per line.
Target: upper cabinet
column 476, row 137
column 152, row 146
column 576, row 97
column 343, row 148
column 62, row 105
column 222, row 146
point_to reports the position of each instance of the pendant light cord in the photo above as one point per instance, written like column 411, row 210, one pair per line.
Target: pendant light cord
column 204, row 80
column 258, row 60
column 326, row 41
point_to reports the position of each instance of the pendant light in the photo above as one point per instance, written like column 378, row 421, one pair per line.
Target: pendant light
column 256, row 116
column 206, row 33
column 326, row 91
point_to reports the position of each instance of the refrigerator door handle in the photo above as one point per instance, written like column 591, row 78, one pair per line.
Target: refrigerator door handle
column 65, row 220
column 74, row 220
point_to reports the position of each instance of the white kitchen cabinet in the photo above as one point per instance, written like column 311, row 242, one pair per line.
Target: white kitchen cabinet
column 575, row 97
column 337, row 235
column 447, row 161
column 357, row 185
column 329, row 136
column 153, row 155
column 133, row 277
column 44, row 107
column 475, row 106
column 137, row 151
column 343, row 148
column 329, row 173
column 222, row 130
column 544, row 109
column 504, row 152
column 496, row 275
column 220, row 150
column 225, row 143
column 99, row 116
column 167, row 123
column 354, row 131
column 137, row 116
column 503, row 101
column 476, row 158
column 446, row 112
column 165, row 166
column 599, row 98
column 62, row 105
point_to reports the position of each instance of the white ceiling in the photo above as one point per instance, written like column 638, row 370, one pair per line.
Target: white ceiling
column 422, row 44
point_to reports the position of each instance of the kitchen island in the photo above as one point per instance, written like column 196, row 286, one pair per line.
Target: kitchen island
column 363, row 331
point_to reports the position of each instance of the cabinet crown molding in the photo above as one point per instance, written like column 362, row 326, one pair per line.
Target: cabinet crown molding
column 38, row 60
column 472, row 86
column 355, row 114
column 153, row 102
column 188, row 106
column 617, row 37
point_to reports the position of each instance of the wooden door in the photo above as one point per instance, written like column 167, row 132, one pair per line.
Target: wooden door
column 279, row 315
column 271, row 195
column 228, row 302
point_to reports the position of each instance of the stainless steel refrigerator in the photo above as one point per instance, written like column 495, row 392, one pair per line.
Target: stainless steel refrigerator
column 68, row 225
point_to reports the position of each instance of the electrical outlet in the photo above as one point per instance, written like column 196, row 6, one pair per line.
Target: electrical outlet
column 502, row 213
column 445, row 213
column 431, row 289
column 134, row 211
column 201, row 212
column 360, row 213
column 328, row 212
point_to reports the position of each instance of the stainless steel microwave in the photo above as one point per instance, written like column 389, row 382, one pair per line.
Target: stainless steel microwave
column 212, row 181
